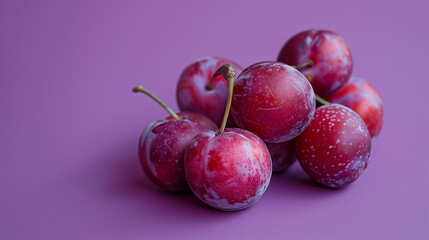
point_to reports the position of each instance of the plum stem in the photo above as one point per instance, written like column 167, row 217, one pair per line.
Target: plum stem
column 227, row 71
column 142, row 90
column 309, row 76
column 308, row 63
column 209, row 85
column 321, row 100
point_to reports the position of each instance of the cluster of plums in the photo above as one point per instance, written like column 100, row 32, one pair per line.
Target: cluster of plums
column 274, row 120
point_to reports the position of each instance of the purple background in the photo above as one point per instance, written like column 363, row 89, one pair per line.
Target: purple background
column 69, row 123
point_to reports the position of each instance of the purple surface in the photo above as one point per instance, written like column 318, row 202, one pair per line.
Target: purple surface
column 70, row 123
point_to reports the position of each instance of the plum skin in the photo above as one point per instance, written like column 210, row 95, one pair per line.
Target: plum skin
column 162, row 147
column 230, row 171
column 360, row 96
column 333, row 64
column 192, row 94
column 272, row 100
column 335, row 148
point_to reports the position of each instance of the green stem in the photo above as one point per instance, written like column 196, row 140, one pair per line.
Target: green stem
column 308, row 63
column 209, row 85
column 142, row 90
column 321, row 100
column 227, row 71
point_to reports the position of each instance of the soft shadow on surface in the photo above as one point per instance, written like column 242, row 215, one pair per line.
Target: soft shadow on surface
column 121, row 188
column 130, row 180
column 126, row 190
column 296, row 184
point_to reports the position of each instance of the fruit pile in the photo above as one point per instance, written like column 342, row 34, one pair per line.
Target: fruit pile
column 274, row 120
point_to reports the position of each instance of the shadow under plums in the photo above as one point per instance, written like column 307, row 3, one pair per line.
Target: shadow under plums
column 127, row 191
column 122, row 188
column 295, row 183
